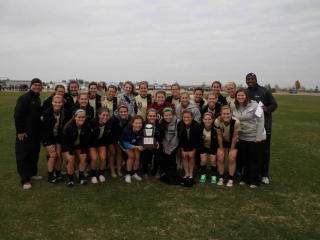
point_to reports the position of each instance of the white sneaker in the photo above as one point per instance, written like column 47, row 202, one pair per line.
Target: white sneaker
column 265, row 180
column 85, row 174
column 136, row 177
column 230, row 183
column 220, row 182
column 36, row 178
column 94, row 180
column 127, row 178
column 76, row 173
column 27, row 186
column 242, row 183
column 253, row 186
column 102, row 178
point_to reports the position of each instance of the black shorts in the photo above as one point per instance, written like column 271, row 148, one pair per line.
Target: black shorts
column 228, row 145
column 212, row 151
column 53, row 141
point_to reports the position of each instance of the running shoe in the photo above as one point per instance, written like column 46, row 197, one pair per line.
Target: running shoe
column 27, row 186
column 203, row 178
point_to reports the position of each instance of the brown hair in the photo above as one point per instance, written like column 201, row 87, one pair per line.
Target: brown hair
column 236, row 102
column 72, row 82
column 224, row 107
column 217, row 83
column 92, row 83
column 175, row 84
column 134, row 92
column 183, row 125
column 135, row 117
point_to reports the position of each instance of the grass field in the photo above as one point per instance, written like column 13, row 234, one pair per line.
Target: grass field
column 287, row 208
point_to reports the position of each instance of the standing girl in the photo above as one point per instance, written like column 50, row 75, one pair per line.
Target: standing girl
column 120, row 120
column 252, row 138
column 128, row 97
column 101, row 133
column 75, row 142
column 147, row 155
column 51, row 133
column 58, row 90
column 110, row 101
column 189, row 138
column 208, row 147
column 130, row 141
column 143, row 100
column 227, row 128
column 94, row 98
column 83, row 103
column 231, row 89
column 160, row 104
column 216, row 88
column 170, row 140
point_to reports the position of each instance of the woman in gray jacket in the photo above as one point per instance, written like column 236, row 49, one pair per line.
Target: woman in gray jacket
column 252, row 137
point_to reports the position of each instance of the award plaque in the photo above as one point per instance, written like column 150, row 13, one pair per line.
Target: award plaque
column 149, row 141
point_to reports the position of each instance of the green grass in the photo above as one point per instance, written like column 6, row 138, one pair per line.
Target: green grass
column 288, row 208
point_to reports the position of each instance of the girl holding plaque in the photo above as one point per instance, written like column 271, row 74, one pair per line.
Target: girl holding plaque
column 208, row 147
column 130, row 141
column 147, row 155
column 189, row 138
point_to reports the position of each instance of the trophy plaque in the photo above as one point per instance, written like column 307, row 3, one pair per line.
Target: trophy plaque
column 149, row 141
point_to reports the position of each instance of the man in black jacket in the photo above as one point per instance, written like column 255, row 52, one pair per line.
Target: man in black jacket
column 27, row 122
column 259, row 93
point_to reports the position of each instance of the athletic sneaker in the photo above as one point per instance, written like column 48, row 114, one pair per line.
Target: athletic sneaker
column 63, row 172
column 145, row 175
column 36, row 178
column 102, row 178
column 83, row 182
column 265, row 180
column 213, row 179
column 27, row 186
column 53, row 181
column 157, row 175
column 76, row 173
column 253, row 186
column 94, row 180
column 242, row 183
column 203, row 178
column 221, row 181
column 70, row 184
column 136, row 177
column 230, row 183
column 85, row 174
column 60, row 179
column 127, row 178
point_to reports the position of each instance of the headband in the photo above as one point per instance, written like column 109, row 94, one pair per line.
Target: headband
column 208, row 113
column 152, row 110
column 57, row 96
column 167, row 109
column 123, row 106
column 79, row 110
column 232, row 84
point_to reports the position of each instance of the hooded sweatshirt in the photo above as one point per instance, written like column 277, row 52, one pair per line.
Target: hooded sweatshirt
column 252, row 126
column 194, row 109
column 171, row 138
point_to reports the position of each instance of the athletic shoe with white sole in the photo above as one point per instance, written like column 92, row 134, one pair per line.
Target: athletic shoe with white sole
column 203, row 178
column 230, row 183
column 94, row 180
column 213, row 179
column 136, row 177
column 83, row 182
column 102, row 178
column 265, row 180
column 127, row 178
column 253, row 186
column 36, row 178
column 70, row 184
column 27, row 186
column 242, row 183
column 85, row 174
column 221, row 181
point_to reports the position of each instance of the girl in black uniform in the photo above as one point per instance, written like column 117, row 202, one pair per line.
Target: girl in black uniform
column 208, row 147
column 147, row 155
column 75, row 142
column 58, row 90
column 83, row 103
column 189, row 138
column 51, row 133
column 101, row 131
column 119, row 121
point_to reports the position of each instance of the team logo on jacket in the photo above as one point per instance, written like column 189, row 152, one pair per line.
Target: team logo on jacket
column 139, row 104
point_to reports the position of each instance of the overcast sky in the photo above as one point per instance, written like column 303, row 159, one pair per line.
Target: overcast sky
column 190, row 42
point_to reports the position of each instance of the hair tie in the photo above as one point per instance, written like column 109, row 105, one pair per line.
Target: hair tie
column 208, row 113
column 79, row 110
column 122, row 106
column 152, row 110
